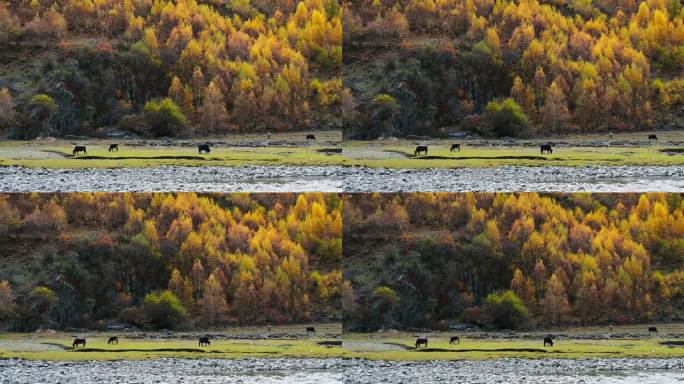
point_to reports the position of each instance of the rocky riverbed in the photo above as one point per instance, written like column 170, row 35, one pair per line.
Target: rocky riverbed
column 518, row 371
column 174, row 178
column 206, row 371
column 349, row 371
column 345, row 179
column 518, row 179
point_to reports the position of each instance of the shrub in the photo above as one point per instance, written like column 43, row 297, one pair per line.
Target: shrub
column 163, row 310
column 6, row 301
column 472, row 315
column 51, row 217
column 383, row 109
column 505, row 310
column 42, row 302
column 163, row 117
column 383, row 301
column 131, row 315
column 41, row 110
column 505, row 117
column 134, row 124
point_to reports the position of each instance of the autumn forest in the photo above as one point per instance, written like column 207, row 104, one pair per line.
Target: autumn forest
column 168, row 68
column 186, row 260
column 168, row 261
column 512, row 67
column 512, row 260
column 410, row 67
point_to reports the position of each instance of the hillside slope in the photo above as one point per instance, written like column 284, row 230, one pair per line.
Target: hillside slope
column 421, row 260
column 431, row 67
column 82, row 260
column 70, row 67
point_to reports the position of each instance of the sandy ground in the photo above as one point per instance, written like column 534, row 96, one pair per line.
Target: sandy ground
column 27, row 345
column 28, row 153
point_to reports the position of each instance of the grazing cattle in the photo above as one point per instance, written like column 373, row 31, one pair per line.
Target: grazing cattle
column 421, row 341
column 548, row 341
column 310, row 137
column 203, row 148
column 113, row 147
column 455, row 339
column 652, row 137
column 113, row 340
column 652, row 330
column 546, row 148
column 78, row 341
column 455, row 147
column 80, row 148
column 310, row 330
column 204, row 341
column 419, row 149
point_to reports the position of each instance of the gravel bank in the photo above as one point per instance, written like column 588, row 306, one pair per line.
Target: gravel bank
column 171, row 178
column 208, row 371
column 344, row 179
column 329, row 371
column 518, row 371
column 518, row 179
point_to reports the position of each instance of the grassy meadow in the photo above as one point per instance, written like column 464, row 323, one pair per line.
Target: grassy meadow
column 289, row 149
column 622, row 341
column 618, row 149
column 288, row 341
column 293, row 149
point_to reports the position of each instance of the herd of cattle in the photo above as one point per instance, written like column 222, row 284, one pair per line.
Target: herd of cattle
column 548, row 339
column 201, row 148
column 548, row 148
column 544, row 148
column 203, row 340
column 204, row 148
